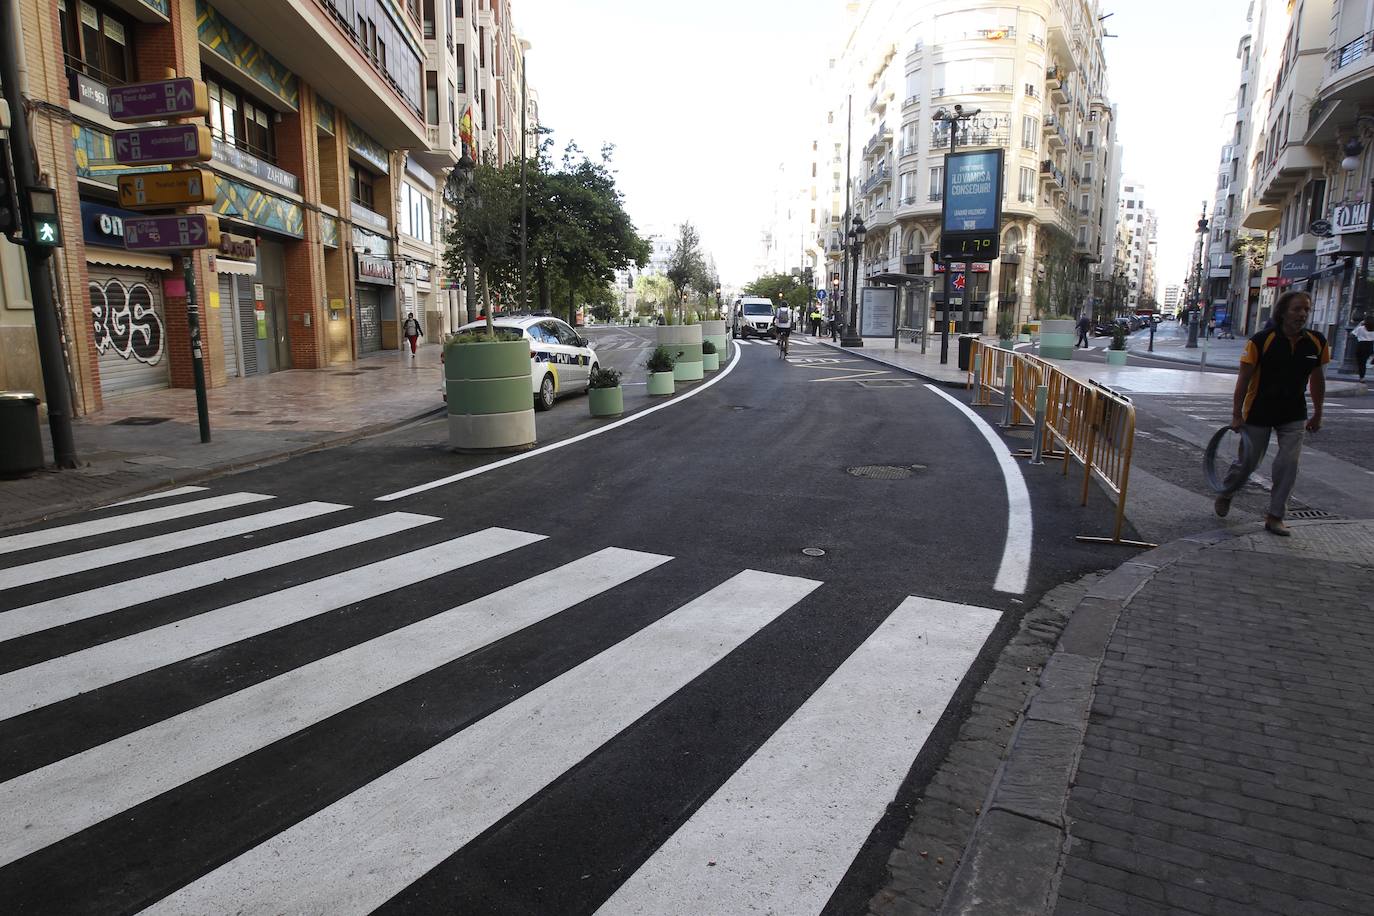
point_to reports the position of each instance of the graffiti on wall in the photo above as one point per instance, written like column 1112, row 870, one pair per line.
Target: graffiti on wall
column 126, row 322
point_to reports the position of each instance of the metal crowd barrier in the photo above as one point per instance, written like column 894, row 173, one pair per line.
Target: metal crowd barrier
column 1085, row 421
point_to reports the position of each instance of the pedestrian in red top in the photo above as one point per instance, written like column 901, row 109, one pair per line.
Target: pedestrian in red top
column 411, row 330
column 1279, row 367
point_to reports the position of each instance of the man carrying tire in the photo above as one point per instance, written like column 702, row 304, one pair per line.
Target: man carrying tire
column 1279, row 367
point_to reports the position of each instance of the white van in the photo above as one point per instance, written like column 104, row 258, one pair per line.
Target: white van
column 752, row 317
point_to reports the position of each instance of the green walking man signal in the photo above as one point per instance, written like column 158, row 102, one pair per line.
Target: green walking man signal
column 47, row 229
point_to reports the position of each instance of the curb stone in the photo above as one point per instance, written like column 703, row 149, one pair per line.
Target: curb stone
column 197, row 475
column 1014, row 857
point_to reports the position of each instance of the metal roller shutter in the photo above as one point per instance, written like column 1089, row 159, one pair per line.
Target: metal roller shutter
column 226, row 325
column 369, row 320
column 130, row 328
column 248, row 325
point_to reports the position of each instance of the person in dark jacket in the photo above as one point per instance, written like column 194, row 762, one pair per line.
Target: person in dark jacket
column 412, row 332
column 1084, row 326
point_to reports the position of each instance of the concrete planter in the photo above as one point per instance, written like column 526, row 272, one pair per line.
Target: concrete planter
column 718, row 332
column 710, row 362
column 1057, row 338
column 490, row 405
column 683, row 342
column 1116, row 357
column 606, row 402
column 660, row 384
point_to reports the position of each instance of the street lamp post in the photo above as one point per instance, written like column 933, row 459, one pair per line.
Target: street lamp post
column 1201, row 246
column 856, row 247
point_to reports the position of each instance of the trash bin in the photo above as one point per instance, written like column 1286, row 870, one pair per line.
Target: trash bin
column 965, row 350
column 21, row 442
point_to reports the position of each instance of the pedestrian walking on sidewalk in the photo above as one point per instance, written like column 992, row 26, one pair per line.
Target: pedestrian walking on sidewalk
column 836, row 324
column 1364, row 346
column 1084, row 326
column 411, row 330
column 1277, row 370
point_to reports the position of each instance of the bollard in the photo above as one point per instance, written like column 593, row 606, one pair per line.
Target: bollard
column 1202, row 364
column 1008, row 394
column 977, row 366
column 1042, row 401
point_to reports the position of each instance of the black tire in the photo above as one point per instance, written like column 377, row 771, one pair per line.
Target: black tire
column 1216, row 477
column 547, row 394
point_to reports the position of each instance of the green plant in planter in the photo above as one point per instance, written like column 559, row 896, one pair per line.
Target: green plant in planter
column 660, row 360
column 1026, row 329
column 708, row 346
column 1118, row 337
column 604, row 378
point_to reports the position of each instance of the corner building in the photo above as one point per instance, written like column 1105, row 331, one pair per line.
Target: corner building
column 312, row 105
column 1037, row 73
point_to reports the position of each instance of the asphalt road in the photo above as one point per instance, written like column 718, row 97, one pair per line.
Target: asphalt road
column 599, row 678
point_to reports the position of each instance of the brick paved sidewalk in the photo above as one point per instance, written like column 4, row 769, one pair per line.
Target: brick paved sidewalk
column 150, row 440
column 1201, row 742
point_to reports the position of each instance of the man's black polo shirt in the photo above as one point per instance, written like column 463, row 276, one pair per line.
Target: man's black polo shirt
column 1278, row 390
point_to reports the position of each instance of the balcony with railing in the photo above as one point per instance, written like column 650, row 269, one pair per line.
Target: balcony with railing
column 1350, row 72
column 880, row 139
column 883, row 176
column 944, row 92
column 1053, row 173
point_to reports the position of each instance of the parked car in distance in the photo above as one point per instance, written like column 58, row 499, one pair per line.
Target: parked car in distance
column 561, row 360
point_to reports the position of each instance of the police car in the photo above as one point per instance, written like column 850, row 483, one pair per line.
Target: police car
column 561, row 360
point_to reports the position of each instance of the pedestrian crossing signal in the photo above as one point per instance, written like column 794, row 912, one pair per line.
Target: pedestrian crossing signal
column 47, row 228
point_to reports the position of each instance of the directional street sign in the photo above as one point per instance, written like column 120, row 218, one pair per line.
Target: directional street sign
column 185, row 187
column 155, row 145
column 820, row 294
column 153, row 233
column 163, row 99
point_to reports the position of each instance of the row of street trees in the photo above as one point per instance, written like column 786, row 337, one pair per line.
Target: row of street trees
column 578, row 233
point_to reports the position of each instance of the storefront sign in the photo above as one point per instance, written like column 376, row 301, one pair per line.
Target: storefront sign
column 103, row 226
column 89, row 92
column 1328, row 246
column 260, row 317
column 237, row 247
column 376, row 270
column 1350, row 218
column 247, row 162
column 1301, row 264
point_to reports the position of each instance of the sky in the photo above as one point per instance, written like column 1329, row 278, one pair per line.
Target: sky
column 704, row 100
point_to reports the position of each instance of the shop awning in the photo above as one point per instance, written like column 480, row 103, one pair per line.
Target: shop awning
column 230, row 266
column 118, row 257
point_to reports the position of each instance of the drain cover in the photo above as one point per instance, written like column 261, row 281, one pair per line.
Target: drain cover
column 884, row 471
column 140, row 421
column 1312, row 514
column 813, row 551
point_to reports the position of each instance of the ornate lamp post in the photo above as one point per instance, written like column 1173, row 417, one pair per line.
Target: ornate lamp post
column 1201, row 283
column 856, row 248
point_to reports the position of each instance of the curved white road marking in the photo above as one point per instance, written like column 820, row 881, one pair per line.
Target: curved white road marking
column 1015, row 568
column 523, row 456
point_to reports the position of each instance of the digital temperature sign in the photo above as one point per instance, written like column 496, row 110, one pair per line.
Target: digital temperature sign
column 971, row 217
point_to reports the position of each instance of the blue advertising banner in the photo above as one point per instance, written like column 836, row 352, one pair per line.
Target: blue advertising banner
column 972, row 191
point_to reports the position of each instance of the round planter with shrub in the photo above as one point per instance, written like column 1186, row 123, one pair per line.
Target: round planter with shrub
column 487, row 380
column 683, row 342
column 1057, row 338
column 710, row 359
column 660, row 366
column 605, row 397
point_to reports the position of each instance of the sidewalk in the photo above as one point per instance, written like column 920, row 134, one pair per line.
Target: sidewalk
column 1171, row 344
column 151, row 439
column 1199, row 741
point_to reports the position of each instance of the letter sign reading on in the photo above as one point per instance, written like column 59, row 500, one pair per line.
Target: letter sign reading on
column 184, row 187
column 159, row 100
column 972, row 206
column 157, row 145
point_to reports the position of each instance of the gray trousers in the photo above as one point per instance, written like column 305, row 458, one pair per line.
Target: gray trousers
column 1285, row 469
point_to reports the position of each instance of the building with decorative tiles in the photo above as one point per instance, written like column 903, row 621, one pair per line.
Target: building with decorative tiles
column 335, row 124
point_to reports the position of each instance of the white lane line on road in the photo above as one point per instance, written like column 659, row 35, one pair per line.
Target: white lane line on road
column 359, row 852
column 61, row 678
column 552, row 446
column 79, row 791
column 1014, row 570
column 122, row 522
column 784, row 829
column 119, row 595
column 165, row 494
column 147, row 547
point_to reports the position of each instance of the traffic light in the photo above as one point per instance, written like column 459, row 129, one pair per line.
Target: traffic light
column 10, row 218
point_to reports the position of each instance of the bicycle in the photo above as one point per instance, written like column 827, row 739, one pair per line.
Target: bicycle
column 783, row 338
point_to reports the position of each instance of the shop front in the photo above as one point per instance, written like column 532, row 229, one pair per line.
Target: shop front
column 376, row 303
column 236, row 269
column 125, row 295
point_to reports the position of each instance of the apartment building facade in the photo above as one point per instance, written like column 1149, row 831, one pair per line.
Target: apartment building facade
column 1139, row 224
column 335, row 124
column 1036, row 73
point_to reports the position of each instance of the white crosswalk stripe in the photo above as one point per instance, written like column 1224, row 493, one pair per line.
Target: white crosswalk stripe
column 784, row 828
column 165, row 494
column 66, row 533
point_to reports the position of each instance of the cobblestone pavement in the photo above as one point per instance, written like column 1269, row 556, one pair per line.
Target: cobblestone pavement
column 1198, row 744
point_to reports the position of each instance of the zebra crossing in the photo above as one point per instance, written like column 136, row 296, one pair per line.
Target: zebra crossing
column 228, row 733
column 1218, row 409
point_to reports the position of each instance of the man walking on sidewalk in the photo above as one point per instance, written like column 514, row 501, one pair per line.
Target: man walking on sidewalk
column 1084, row 326
column 1278, row 367
column 412, row 332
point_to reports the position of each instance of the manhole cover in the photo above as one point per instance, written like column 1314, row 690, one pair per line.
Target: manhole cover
column 1312, row 514
column 885, row 471
column 141, row 421
column 813, row 551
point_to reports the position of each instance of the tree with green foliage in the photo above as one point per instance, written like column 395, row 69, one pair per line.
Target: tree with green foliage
column 781, row 287
column 687, row 269
column 486, row 231
column 1055, row 287
column 653, row 292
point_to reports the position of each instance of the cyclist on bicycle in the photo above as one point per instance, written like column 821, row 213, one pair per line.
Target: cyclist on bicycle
column 782, row 323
